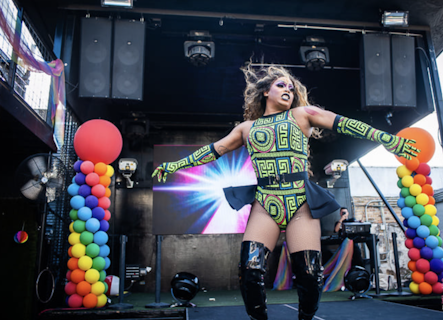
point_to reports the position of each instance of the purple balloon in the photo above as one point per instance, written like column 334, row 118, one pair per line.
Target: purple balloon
column 426, row 253
column 405, row 223
column 418, row 242
column 411, row 233
column 77, row 165
column 84, row 190
column 91, row 201
column 98, row 213
column 440, row 276
column 104, row 225
column 80, row 178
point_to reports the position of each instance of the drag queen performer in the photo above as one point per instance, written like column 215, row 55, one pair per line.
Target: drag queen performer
column 278, row 123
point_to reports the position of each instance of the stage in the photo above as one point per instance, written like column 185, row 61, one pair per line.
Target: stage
column 218, row 305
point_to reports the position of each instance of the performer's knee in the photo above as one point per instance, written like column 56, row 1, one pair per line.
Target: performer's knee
column 252, row 268
column 308, row 271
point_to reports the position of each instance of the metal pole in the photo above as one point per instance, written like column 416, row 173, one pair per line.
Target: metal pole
column 397, row 265
column 157, row 303
column 400, row 224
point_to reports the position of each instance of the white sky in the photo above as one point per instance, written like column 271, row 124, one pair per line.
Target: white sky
column 379, row 157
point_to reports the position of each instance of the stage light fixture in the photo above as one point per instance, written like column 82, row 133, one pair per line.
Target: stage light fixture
column 184, row 288
column 117, row 3
column 314, row 54
column 199, row 49
column 395, row 19
column 357, row 280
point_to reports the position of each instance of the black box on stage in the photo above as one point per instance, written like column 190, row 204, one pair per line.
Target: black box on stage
column 356, row 228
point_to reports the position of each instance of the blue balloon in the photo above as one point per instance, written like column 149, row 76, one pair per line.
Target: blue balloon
column 104, row 225
column 92, row 225
column 104, row 251
column 418, row 242
column 414, row 222
column 77, row 165
column 423, row 231
column 91, row 201
column 73, row 189
column 405, row 223
column 432, row 242
column 100, row 238
column 98, row 213
column 84, row 190
column 77, row 202
column 436, row 266
column 407, row 212
column 107, row 263
column 437, row 253
column 80, row 178
column 426, row 253
column 401, row 202
column 84, row 213
column 411, row 233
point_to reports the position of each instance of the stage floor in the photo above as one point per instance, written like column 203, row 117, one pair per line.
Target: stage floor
column 218, row 305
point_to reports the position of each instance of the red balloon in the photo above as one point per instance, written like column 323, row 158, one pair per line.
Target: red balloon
column 98, row 141
column 92, row 179
column 431, row 277
column 98, row 190
column 423, row 265
column 424, row 142
column 414, row 254
column 75, row 301
column 104, row 202
column 423, row 169
column 87, row 167
column 409, row 243
column 437, row 288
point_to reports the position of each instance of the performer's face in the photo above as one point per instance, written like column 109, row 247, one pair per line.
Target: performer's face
column 281, row 92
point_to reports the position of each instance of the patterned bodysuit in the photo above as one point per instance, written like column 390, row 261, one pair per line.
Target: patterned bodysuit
column 277, row 145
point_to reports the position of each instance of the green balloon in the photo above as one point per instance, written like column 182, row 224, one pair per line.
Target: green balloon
column 399, row 184
column 98, row 263
column 434, row 230
column 102, row 276
column 410, row 201
column 86, row 237
column 92, row 250
column 418, row 210
column 79, row 226
column 405, row 192
column 440, row 241
column 106, row 287
column 73, row 214
column 426, row 220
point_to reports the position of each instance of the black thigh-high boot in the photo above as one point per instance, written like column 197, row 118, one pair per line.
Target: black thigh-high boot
column 252, row 268
column 308, row 271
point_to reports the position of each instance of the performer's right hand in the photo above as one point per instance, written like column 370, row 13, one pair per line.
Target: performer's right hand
column 161, row 172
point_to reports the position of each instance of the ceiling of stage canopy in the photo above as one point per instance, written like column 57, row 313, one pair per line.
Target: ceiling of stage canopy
column 177, row 93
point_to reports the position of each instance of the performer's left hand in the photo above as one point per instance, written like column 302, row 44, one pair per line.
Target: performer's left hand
column 161, row 172
column 404, row 148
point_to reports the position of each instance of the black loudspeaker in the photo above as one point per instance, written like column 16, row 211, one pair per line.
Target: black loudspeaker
column 376, row 71
column 403, row 71
column 95, row 57
column 129, row 45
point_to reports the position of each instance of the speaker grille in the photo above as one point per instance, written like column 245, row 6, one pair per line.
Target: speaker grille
column 95, row 57
column 403, row 71
column 129, row 44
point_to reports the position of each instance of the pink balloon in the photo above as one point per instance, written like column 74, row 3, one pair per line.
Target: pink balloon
column 98, row 141
column 98, row 190
column 92, row 179
column 87, row 167
column 104, row 202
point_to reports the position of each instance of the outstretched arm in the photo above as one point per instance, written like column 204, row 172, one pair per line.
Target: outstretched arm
column 316, row 117
column 203, row 155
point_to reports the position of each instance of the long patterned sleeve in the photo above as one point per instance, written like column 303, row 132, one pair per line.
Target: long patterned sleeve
column 397, row 145
column 201, row 156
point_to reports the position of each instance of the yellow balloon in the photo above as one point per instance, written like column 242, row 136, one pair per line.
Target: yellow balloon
column 430, row 209
column 74, row 238
column 85, row 263
column 98, row 288
column 110, row 171
column 415, row 190
column 71, row 227
column 414, row 287
column 403, row 171
column 407, row 181
column 101, row 300
column 422, row 199
column 78, row 250
column 92, row 276
column 435, row 220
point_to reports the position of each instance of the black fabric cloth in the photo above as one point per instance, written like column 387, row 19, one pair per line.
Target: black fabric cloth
column 321, row 202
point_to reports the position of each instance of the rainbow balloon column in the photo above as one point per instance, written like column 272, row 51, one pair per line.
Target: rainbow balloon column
column 97, row 143
column 418, row 208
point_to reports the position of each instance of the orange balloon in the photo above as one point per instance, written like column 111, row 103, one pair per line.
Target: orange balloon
column 418, row 277
column 420, row 179
column 412, row 265
column 90, row 300
column 107, row 192
column 431, row 200
column 105, row 180
column 412, row 164
column 73, row 263
column 423, row 141
column 70, row 252
column 427, row 188
column 83, row 288
column 425, row 288
column 77, row 275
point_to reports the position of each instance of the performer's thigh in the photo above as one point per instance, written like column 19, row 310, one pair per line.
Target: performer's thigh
column 303, row 232
column 261, row 227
